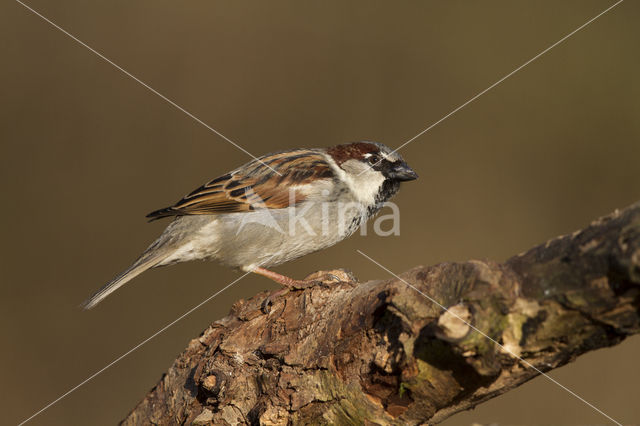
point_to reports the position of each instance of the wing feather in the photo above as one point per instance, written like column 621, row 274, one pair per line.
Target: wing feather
column 255, row 185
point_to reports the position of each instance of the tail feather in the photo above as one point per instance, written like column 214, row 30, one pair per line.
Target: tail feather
column 142, row 264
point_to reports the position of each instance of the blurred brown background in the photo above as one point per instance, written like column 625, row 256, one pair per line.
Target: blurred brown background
column 87, row 152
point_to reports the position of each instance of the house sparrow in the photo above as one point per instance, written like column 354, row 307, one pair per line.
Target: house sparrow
column 273, row 210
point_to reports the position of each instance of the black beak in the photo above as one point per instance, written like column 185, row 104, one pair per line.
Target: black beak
column 402, row 172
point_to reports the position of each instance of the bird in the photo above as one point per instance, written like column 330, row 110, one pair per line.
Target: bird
column 274, row 209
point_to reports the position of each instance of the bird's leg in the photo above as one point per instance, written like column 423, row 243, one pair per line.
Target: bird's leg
column 283, row 279
column 287, row 282
column 293, row 284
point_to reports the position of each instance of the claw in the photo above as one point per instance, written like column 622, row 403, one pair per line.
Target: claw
column 320, row 278
column 268, row 302
column 336, row 275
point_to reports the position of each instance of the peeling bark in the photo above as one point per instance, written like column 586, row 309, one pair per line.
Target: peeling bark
column 381, row 353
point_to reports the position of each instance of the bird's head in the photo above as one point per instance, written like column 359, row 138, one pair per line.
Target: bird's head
column 372, row 170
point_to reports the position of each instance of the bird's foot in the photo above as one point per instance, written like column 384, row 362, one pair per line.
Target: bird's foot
column 268, row 302
column 320, row 278
column 330, row 277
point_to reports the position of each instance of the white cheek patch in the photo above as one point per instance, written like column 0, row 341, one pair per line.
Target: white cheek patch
column 364, row 185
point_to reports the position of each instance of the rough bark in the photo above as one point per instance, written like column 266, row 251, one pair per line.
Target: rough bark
column 381, row 353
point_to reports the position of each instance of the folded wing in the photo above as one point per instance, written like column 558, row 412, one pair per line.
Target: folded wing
column 255, row 185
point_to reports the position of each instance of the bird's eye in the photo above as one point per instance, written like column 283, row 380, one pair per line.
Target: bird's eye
column 373, row 159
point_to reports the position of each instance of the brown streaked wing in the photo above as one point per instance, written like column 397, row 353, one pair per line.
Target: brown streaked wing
column 254, row 186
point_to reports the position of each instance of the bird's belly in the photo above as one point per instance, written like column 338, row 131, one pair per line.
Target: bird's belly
column 259, row 238
column 269, row 238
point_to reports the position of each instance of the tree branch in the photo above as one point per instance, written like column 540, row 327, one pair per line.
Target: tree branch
column 381, row 353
